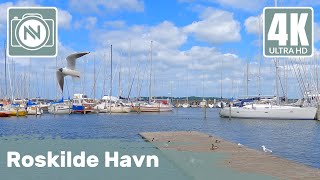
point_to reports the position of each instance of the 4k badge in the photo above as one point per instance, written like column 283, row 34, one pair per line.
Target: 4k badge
column 288, row 32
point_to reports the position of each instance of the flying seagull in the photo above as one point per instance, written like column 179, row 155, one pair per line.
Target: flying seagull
column 265, row 149
column 70, row 69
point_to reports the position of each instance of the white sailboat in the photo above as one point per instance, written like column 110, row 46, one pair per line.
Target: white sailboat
column 153, row 105
column 269, row 111
column 116, row 106
column 59, row 108
column 186, row 105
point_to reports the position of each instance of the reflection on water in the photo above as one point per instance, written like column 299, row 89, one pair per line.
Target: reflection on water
column 292, row 139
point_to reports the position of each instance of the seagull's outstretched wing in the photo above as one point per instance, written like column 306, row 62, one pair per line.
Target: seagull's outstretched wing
column 71, row 59
column 60, row 79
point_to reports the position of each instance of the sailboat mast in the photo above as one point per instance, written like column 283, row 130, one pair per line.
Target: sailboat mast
column 259, row 71
column 317, row 75
column 94, row 77
column 110, row 77
column 130, row 54
column 56, row 82
column 119, row 85
column 5, row 69
column 187, row 87
column 203, row 86
column 150, row 83
column 221, row 80
column 247, row 81
column 29, row 86
column 277, row 62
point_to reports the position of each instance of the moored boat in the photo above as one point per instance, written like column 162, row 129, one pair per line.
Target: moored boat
column 116, row 106
column 155, row 106
column 268, row 111
column 59, row 108
column 5, row 114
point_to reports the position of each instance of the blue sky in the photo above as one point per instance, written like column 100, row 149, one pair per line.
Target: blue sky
column 195, row 42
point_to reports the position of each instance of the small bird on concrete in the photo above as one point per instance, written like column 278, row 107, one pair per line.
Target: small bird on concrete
column 266, row 149
column 213, row 147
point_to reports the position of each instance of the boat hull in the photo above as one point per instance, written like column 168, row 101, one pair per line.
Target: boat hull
column 18, row 113
column 294, row 113
column 34, row 111
column 5, row 114
column 152, row 109
column 121, row 109
column 78, row 109
column 59, row 109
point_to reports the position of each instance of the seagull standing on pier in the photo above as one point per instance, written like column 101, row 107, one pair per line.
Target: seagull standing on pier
column 266, row 149
column 70, row 69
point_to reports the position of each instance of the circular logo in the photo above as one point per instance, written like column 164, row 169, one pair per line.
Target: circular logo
column 32, row 33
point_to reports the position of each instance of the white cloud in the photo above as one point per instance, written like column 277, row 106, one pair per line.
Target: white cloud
column 247, row 5
column 64, row 19
column 102, row 6
column 164, row 35
column 215, row 26
column 115, row 24
column 86, row 23
column 167, row 34
column 252, row 24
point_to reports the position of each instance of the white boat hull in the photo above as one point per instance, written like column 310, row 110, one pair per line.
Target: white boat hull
column 102, row 108
column 59, row 109
column 121, row 109
column 34, row 111
column 286, row 112
column 186, row 105
column 153, row 108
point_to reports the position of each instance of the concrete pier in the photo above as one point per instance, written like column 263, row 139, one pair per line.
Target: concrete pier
column 240, row 158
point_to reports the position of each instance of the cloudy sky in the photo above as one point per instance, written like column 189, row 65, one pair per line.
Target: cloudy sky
column 197, row 47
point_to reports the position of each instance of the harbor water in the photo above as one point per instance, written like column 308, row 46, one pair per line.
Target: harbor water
column 297, row 140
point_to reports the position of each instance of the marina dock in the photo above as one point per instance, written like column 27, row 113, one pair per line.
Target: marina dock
column 239, row 158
